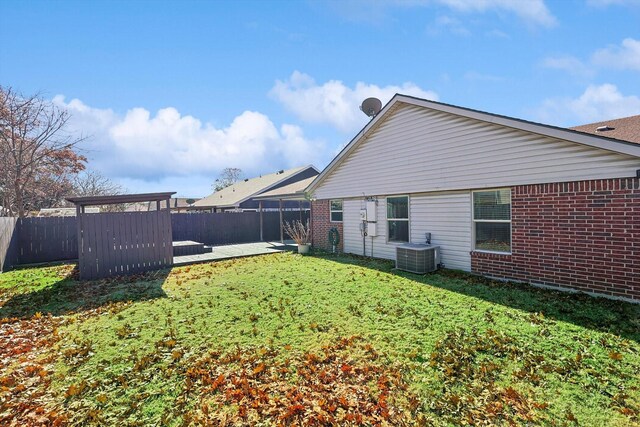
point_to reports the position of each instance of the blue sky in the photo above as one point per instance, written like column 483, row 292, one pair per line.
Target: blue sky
column 170, row 93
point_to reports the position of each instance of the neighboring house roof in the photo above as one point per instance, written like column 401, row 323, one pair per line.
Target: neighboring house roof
column 181, row 202
column 293, row 191
column 625, row 129
column 597, row 141
column 241, row 191
column 174, row 203
column 45, row 212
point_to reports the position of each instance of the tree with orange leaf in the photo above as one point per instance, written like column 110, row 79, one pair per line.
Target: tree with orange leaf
column 38, row 158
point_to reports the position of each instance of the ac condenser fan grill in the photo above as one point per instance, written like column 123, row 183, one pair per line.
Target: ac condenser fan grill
column 419, row 259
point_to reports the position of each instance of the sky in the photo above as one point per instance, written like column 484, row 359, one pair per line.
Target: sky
column 169, row 93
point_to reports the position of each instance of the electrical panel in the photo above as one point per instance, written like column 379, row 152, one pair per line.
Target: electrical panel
column 368, row 217
column 371, row 210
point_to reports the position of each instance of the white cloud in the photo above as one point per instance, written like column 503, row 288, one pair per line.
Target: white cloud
column 597, row 103
column 335, row 103
column 475, row 76
column 448, row 24
column 605, row 3
column 139, row 146
column 497, row 34
column 532, row 11
column 625, row 56
column 570, row 64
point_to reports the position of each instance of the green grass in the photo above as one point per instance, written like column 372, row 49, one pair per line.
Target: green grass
column 463, row 349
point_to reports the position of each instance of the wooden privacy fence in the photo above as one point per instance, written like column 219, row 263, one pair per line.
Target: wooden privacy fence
column 48, row 239
column 37, row 240
column 224, row 228
column 124, row 243
column 8, row 243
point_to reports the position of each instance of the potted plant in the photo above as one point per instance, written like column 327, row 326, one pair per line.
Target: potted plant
column 301, row 233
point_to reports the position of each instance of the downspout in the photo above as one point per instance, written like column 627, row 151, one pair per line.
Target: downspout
column 311, row 220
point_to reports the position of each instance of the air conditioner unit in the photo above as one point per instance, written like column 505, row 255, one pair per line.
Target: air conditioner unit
column 417, row 258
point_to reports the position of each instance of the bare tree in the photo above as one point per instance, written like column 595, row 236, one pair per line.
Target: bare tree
column 228, row 176
column 37, row 157
column 93, row 183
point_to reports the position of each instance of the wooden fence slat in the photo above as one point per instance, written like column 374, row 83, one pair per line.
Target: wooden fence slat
column 124, row 235
column 111, row 244
column 131, row 261
column 140, row 233
column 150, row 252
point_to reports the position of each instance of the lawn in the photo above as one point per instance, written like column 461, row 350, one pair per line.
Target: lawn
column 314, row 340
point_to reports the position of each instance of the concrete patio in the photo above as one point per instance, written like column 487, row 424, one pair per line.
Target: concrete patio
column 236, row 251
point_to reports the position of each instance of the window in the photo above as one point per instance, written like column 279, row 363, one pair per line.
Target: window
column 398, row 219
column 492, row 220
column 335, row 209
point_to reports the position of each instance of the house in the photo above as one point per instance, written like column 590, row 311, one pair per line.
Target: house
column 293, row 191
column 625, row 129
column 503, row 197
column 176, row 204
column 240, row 197
column 47, row 212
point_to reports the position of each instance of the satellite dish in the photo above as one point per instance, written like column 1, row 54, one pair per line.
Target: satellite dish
column 371, row 106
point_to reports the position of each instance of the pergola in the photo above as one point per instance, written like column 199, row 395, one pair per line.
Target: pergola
column 291, row 192
column 117, row 243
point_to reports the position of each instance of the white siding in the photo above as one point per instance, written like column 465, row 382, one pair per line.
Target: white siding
column 350, row 224
column 447, row 216
column 418, row 150
column 375, row 246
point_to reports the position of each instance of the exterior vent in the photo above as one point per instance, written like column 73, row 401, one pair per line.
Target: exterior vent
column 417, row 258
column 604, row 128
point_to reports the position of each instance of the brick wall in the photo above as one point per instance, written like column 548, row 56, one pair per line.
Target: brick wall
column 321, row 225
column 583, row 235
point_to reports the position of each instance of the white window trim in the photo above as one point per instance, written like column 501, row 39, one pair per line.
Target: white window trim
column 332, row 211
column 474, row 221
column 408, row 219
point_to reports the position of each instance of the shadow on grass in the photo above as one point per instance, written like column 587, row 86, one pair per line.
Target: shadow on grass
column 595, row 313
column 69, row 294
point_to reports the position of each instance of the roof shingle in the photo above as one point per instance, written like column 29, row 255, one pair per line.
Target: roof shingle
column 243, row 190
column 624, row 129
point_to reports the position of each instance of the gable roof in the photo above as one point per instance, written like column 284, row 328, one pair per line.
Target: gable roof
column 294, row 190
column 597, row 141
column 243, row 190
column 625, row 129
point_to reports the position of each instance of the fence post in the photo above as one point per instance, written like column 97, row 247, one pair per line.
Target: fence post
column 281, row 228
column 260, row 210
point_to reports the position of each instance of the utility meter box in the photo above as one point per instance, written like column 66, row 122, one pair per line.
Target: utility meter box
column 363, row 214
column 371, row 210
column 372, row 229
